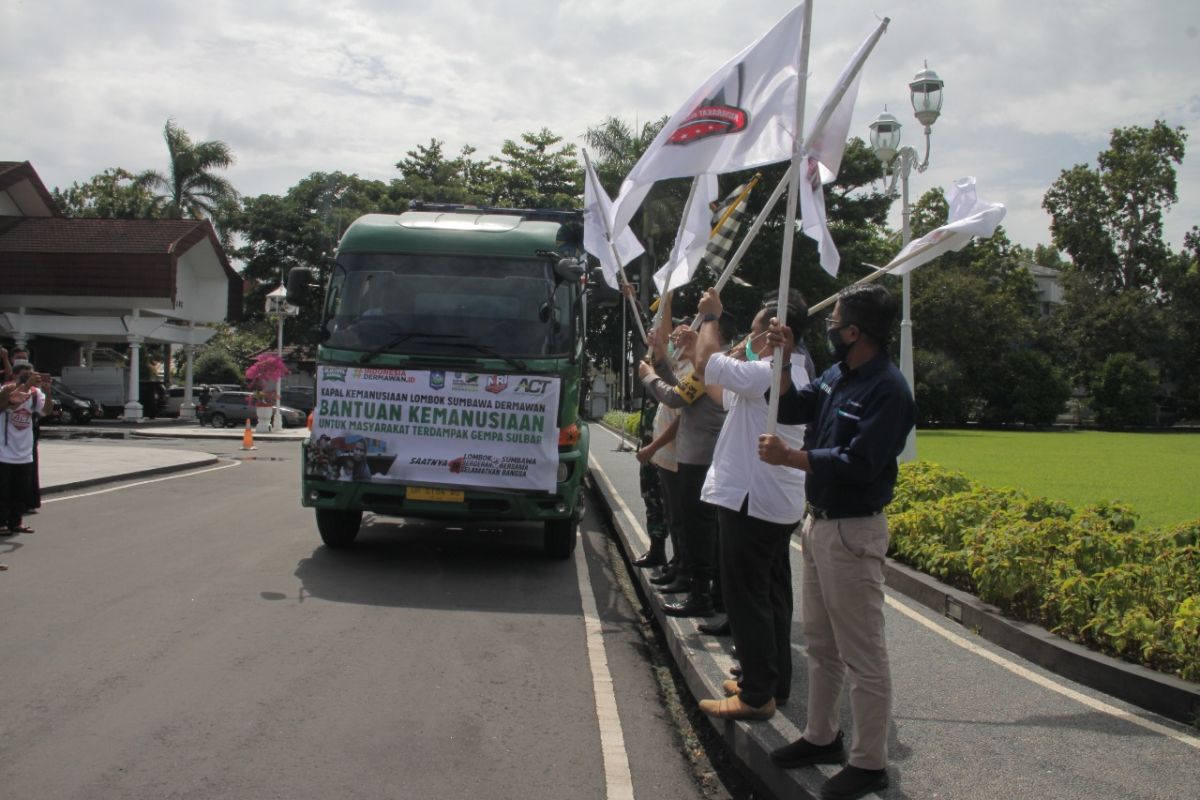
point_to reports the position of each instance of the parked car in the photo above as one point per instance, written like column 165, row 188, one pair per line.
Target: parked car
column 71, row 408
column 235, row 408
column 301, row 397
column 200, row 395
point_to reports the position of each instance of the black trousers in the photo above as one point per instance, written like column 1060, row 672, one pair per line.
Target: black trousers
column 672, row 495
column 756, row 577
column 700, row 526
column 15, row 488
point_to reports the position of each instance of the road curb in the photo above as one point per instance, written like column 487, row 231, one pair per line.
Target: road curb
column 85, row 483
column 704, row 661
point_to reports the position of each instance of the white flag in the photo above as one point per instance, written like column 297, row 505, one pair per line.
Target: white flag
column 692, row 237
column 813, row 222
column 969, row 217
column 597, row 218
column 743, row 116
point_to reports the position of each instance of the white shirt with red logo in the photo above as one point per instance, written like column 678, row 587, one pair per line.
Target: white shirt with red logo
column 16, row 430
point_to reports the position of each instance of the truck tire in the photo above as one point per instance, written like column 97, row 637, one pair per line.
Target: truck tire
column 338, row 528
column 559, row 537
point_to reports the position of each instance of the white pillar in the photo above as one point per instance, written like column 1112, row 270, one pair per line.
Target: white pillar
column 133, row 409
column 187, row 410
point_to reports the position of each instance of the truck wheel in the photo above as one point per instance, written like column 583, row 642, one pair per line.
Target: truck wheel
column 338, row 528
column 217, row 420
column 559, row 537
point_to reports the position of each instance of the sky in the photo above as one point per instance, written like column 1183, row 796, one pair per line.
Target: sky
column 1032, row 87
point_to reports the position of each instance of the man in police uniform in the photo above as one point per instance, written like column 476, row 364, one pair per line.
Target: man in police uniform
column 859, row 413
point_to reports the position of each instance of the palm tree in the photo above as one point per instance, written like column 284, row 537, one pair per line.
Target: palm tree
column 192, row 190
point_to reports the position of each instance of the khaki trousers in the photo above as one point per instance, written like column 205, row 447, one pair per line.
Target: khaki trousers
column 842, row 613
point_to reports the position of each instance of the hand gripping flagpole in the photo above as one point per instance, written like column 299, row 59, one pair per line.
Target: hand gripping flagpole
column 621, row 279
column 785, row 266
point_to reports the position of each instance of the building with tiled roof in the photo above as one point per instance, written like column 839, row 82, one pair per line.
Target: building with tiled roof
column 77, row 284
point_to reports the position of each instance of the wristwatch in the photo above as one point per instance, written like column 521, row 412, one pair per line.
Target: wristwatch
column 708, row 318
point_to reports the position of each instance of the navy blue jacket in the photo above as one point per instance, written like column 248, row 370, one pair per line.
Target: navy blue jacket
column 858, row 421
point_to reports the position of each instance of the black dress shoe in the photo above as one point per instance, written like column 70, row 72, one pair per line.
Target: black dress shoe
column 714, row 628
column 676, row 586
column 656, row 556
column 736, row 670
column 696, row 605
column 854, row 782
column 802, row 752
column 666, row 576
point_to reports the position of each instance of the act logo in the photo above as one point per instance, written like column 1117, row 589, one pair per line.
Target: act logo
column 437, row 379
column 716, row 115
column 334, row 374
column 496, row 383
column 532, row 386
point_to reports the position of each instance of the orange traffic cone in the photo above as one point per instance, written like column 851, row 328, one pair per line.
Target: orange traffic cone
column 248, row 437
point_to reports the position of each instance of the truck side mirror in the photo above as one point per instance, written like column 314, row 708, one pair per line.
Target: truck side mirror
column 299, row 282
column 569, row 269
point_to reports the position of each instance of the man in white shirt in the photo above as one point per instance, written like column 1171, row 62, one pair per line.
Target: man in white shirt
column 758, row 508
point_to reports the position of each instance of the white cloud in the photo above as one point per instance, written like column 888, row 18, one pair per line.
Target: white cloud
column 295, row 87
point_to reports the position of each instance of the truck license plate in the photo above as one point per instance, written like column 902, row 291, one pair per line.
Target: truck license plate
column 435, row 495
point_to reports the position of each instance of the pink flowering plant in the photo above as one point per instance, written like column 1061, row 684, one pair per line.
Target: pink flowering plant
column 262, row 375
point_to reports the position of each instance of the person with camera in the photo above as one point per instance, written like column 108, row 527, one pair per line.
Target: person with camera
column 24, row 401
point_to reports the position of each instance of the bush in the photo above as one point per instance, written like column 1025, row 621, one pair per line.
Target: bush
column 1084, row 574
column 215, row 366
column 626, row 421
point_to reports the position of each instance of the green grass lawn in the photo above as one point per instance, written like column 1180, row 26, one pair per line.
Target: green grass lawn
column 1156, row 473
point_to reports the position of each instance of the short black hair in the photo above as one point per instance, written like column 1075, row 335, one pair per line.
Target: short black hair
column 727, row 326
column 796, row 311
column 871, row 308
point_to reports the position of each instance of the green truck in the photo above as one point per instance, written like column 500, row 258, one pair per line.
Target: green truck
column 449, row 372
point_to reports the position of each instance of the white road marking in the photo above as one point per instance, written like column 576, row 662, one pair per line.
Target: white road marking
column 1011, row 666
column 182, row 474
column 618, row 782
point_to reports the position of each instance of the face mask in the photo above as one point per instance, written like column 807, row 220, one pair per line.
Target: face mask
column 750, row 354
column 839, row 348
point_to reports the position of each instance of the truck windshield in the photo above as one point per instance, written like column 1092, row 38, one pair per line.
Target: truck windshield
column 448, row 305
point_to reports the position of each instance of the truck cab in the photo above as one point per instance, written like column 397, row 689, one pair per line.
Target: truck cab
column 448, row 378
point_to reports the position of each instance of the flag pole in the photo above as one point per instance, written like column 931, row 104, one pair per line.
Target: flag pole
column 621, row 279
column 828, row 301
column 789, row 228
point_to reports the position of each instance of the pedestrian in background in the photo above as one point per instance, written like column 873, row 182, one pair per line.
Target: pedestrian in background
column 16, row 448
column 859, row 413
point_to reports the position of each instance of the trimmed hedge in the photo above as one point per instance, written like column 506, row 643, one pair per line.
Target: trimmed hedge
column 1084, row 574
column 627, row 421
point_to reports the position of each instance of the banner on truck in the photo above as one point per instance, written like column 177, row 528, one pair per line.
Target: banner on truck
column 468, row 429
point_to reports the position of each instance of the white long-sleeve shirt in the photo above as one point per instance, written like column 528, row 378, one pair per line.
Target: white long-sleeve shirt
column 776, row 493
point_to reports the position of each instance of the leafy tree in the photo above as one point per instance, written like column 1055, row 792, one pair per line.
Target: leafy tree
column 1123, row 392
column 969, row 309
column 536, row 174
column 1109, row 219
column 191, row 186
column 1027, row 388
column 115, row 193
column 216, row 367
column 939, row 388
column 428, row 175
column 302, row 229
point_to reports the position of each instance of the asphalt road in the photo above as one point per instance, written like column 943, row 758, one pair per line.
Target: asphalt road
column 190, row 637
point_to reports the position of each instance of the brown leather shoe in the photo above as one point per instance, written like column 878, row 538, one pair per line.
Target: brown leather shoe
column 734, row 708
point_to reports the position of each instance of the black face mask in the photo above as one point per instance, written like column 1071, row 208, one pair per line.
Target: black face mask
column 839, row 348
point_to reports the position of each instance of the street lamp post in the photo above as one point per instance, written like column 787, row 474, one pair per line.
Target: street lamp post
column 277, row 304
column 926, row 94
